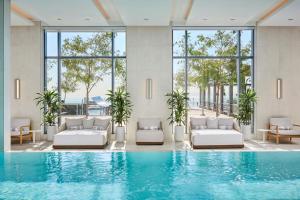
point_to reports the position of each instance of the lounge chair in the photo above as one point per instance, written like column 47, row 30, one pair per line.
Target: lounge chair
column 149, row 132
column 211, row 133
column 81, row 133
column 20, row 128
column 282, row 127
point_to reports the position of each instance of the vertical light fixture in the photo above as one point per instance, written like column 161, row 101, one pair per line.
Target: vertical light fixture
column 148, row 88
column 17, row 89
column 279, row 88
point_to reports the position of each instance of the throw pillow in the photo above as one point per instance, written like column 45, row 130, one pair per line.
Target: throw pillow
column 88, row 123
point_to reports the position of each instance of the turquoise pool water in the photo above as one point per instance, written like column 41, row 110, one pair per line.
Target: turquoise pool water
column 151, row 175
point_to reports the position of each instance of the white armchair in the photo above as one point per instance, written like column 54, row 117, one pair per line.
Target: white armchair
column 282, row 127
column 20, row 128
column 149, row 131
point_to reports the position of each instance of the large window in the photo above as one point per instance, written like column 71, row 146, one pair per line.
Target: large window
column 213, row 67
column 82, row 67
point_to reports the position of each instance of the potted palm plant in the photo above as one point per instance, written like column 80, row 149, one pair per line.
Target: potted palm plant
column 177, row 104
column 50, row 104
column 246, row 109
column 121, row 110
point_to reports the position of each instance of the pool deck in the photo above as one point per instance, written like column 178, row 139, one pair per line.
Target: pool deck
column 250, row 145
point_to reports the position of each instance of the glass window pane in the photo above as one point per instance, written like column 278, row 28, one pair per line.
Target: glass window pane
column 245, row 77
column 246, row 42
column 83, row 79
column 179, row 74
column 86, row 43
column 178, row 43
column 51, row 73
column 120, row 73
column 51, row 45
column 212, row 43
column 120, row 44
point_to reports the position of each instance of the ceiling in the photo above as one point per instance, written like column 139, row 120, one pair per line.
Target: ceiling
column 156, row 12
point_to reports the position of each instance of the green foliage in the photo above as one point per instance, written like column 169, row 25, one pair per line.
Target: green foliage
column 121, row 105
column 177, row 104
column 246, row 106
column 88, row 72
column 49, row 102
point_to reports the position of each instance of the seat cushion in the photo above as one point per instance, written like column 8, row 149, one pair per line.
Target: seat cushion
column 216, row 137
column 80, row 137
column 149, row 123
column 149, row 136
column 288, row 132
column 73, row 122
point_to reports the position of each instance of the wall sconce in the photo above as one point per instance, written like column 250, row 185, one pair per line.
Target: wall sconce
column 17, row 89
column 279, row 88
column 148, row 88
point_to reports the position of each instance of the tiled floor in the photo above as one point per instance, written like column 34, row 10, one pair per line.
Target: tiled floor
column 251, row 145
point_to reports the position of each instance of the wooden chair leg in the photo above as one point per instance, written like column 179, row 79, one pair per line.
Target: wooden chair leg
column 277, row 139
column 21, row 139
column 290, row 140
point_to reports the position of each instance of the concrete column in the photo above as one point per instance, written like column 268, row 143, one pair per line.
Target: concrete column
column 4, row 75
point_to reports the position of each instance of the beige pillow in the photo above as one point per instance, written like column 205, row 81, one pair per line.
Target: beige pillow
column 72, row 122
column 88, row 123
column 103, row 122
column 212, row 123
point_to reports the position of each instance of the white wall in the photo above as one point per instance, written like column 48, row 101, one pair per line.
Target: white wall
column 149, row 55
column 26, row 65
column 277, row 56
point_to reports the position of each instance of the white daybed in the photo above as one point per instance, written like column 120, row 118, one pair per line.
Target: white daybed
column 81, row 133
column 149, row 132
column 210, row 133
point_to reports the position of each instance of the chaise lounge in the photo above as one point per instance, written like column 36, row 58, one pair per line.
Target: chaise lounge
column 149, row 132
column 211, row 133
column 282, row 127
column 81, row 133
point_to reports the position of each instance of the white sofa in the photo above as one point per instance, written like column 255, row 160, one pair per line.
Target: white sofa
column 206, row 133
column 82, row 133
column 149, row 131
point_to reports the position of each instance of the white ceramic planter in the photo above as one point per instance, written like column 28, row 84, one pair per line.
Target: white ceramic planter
column 179, row 133
column 51, row 131
column 246, row 131
column 120, row 133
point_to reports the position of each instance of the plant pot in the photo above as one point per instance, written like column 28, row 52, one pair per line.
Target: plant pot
column 120, row 133
column 246, row 131
column 179, row 133
column 51, row 131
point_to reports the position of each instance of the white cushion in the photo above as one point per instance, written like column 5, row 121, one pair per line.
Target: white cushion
column 102, row 122
column 148, row 123
column 282, row 122
column 216, row 137
column 18, row 122
column 288, row 132
column 212, row 123
column 88, row 123
column 198, row 122
column 225, row 123
column 81, row 137
column 149, row 136
column 72, row 122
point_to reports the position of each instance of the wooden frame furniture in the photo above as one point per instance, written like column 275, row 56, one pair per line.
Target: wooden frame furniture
column 20, row 129
column 149, row 132
column 281, row 127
